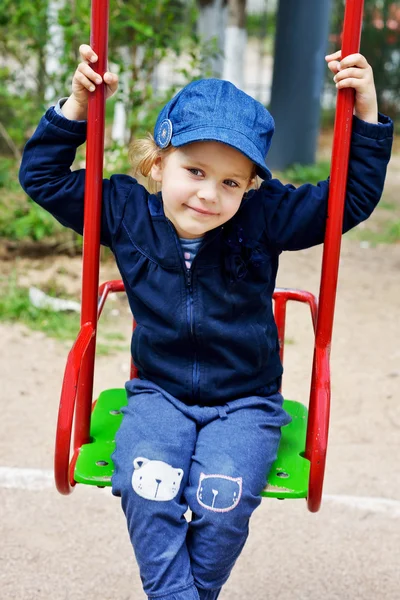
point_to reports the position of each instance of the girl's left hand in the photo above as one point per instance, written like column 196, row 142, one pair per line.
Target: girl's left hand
column 355, row 72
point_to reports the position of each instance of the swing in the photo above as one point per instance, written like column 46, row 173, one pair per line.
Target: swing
column 299, row 469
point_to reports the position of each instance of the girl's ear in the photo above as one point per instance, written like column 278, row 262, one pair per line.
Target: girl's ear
column 156, row 170
column 252, row 184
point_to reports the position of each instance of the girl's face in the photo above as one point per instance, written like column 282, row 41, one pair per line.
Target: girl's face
column 202, row 185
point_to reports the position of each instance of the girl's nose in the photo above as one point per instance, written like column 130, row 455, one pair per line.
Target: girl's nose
column 207, row 192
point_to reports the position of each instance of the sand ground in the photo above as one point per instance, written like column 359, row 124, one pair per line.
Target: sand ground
column 77, row 547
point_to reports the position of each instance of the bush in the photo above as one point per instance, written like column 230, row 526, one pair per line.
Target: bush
column 300, row 174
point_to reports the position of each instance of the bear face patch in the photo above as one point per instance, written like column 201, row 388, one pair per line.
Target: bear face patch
column 219, row 493
column 155, row 479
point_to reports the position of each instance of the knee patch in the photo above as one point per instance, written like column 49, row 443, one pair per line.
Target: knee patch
column 219, row 493
column 155, row 479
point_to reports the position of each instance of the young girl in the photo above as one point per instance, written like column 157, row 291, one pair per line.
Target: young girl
column 199, row 262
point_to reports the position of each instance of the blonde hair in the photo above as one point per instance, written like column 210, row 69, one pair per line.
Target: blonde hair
column 144, row 152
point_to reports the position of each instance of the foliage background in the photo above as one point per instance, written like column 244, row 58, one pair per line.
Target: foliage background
column 165, row 28
column 150, row 32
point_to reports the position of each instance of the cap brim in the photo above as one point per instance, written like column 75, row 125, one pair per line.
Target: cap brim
column 232, row 138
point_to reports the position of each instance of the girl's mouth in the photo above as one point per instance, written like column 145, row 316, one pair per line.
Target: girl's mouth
column 202, row 211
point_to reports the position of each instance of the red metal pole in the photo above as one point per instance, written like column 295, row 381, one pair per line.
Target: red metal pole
column 317, row 432
column 62, row 472
column 92, row 218
column 281, row 297
column 280, row 320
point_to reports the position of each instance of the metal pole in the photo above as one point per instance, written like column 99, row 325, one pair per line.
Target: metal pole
column 92, row 218
column 317, row 430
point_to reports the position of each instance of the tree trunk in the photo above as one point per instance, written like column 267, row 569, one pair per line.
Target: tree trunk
column 300, row 45
column 235, row 43
column 120, row 132
column 53, row 53
column 211, row 26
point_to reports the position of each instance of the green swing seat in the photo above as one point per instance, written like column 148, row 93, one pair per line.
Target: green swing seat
column 288, row 477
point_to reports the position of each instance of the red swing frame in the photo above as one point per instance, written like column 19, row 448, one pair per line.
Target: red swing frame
column 77, row 389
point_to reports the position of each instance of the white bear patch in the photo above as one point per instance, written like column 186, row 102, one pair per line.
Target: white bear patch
column 155, row 479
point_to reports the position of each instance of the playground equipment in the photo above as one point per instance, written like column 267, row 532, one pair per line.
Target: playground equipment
column 299, row 469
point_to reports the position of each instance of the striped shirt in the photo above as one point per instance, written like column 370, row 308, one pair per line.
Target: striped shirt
column 190, row 248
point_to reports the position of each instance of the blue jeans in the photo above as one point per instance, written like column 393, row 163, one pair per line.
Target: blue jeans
column 215, row 460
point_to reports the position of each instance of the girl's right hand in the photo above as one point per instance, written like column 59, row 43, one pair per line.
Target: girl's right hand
column 84, row 82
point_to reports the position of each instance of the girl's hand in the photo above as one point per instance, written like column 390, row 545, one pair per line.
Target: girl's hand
column 84, row 82
column 355, row 72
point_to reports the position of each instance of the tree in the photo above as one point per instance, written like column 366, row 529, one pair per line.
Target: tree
column 298, row 80
column 141, row 35
column 23, row 39
column 211, row 26
column 235, row 43
column 54, row 48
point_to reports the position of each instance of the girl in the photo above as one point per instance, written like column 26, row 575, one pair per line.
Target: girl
column 199, row 261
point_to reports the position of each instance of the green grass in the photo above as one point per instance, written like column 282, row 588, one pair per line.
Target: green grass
column 299, row 174
column 15, row 307
column 103, row 349
column 387, row 205
column 389, row 233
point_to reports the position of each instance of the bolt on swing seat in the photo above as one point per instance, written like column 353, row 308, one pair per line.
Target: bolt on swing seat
column 299, row 469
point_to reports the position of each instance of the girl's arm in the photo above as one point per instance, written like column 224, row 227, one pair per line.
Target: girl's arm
column 46, row 176
column 296, row 218
column 45, row 172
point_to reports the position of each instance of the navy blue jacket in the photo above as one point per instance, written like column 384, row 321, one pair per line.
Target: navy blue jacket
column 206, row 335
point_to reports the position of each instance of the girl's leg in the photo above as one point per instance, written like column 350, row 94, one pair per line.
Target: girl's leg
column 233, row 456
column 154, row 446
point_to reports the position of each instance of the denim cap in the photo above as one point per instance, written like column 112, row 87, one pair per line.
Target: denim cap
column 216, row 110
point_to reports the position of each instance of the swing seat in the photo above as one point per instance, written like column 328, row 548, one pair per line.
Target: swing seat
column 291, row 476
column 288, row 478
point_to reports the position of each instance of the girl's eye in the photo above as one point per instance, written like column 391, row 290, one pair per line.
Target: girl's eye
column 231, row 183
column 196, row 172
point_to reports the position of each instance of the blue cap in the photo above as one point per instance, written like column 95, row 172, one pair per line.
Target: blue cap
column 216, row 110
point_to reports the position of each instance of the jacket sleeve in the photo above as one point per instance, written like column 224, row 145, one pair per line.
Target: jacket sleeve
column 46, row 176
column 296, row 217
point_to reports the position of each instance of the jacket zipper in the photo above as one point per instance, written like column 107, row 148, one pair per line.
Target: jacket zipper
column 190, row 315
column 195, row 368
